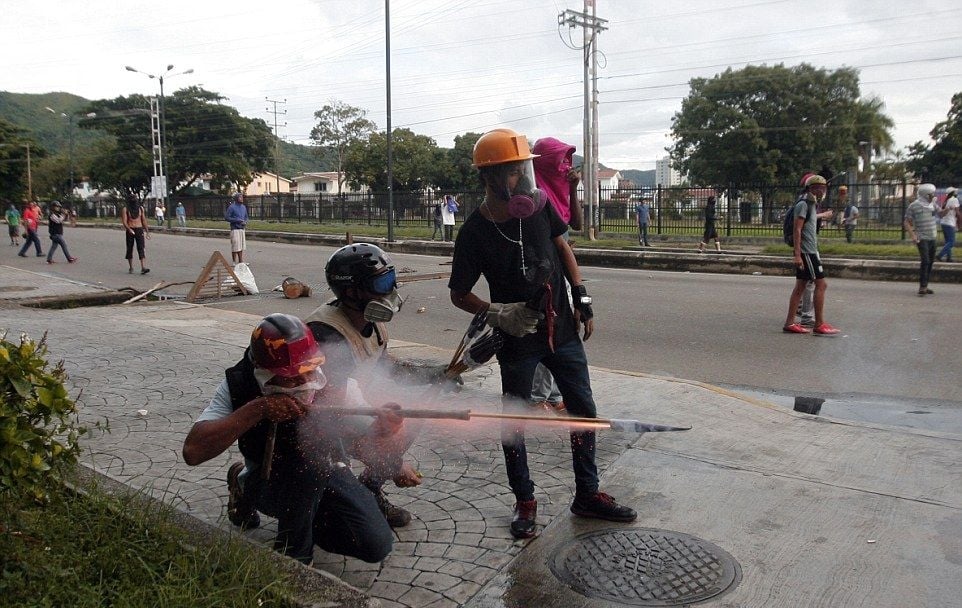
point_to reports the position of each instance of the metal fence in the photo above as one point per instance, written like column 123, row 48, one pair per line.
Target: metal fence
column 742, row 210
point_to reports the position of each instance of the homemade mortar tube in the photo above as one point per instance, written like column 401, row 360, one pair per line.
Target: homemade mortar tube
column 629, row 426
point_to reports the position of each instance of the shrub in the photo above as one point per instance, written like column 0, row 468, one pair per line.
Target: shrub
column 39, row 435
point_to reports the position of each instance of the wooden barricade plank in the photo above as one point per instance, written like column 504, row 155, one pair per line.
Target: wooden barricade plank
column 216, row 276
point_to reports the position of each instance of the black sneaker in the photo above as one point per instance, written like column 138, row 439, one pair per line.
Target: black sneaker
column 239, row 512
column 523, row 521
column 396, row 516
column 602, row 506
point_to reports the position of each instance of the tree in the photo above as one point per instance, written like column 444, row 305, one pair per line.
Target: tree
column 942, row 161
column 339, row 126
column 414, row 155
column 453, row 169
column 13, row 160
column 768, row 125
column 203, row 136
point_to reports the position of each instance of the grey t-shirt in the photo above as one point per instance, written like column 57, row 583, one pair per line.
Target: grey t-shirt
column 923, row 219
column 805, row 209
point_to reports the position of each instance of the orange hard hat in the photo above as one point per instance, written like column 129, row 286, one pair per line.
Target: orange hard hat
column 501, row 146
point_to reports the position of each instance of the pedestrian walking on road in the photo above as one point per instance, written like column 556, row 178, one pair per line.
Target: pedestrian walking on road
column 711, row 231
column 134, row 219
column 58, row 215
column 808, row 265
column 31, row 223
column 13, row 224
column 237, row 216
column 950, row 215
column 276, row 405
column 514, row 240
column 159, row 210
column 921, row 224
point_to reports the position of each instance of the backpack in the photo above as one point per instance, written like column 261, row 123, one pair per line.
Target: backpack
column 788, row 227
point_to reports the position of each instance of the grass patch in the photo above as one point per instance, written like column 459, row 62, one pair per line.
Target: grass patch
column 97, row 550
column 852, row 250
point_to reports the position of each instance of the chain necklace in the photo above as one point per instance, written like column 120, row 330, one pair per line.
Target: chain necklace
column 519, row 242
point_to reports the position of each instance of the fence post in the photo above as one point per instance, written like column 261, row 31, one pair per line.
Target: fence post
column 658, row 206
column 728, row 212
column 902, row 215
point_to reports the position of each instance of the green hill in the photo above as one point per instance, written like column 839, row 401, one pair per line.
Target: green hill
column 52, row 131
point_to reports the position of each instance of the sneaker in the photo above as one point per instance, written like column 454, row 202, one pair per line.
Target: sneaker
column 23, row 255
column 602, row 506
column 928, row 291
column 922, row 292
column 826, row 330
column 239, row 512
column 145, row 270
column 522, row 522
column 130, row 271
column 71, row 260
column 396, row 516
column 51, row 262
column 795, row 328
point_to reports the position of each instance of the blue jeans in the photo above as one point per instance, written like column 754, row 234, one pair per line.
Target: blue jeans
column 946, row 252
column 56, row 240
column 569, row 366
column 326, row 506
column 643, row 234
column 31, row 238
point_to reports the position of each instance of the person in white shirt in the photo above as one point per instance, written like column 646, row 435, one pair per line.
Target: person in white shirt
column 949, row 219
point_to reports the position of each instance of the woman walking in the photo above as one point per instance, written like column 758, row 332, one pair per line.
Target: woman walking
column 55, row 222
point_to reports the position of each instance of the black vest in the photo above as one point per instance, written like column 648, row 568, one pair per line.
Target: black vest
column 244, row 389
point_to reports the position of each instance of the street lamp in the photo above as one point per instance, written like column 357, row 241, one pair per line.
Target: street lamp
column 70, row 127
column 163, row 127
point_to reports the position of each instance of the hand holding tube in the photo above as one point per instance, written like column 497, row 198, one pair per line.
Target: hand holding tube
column 515, row 318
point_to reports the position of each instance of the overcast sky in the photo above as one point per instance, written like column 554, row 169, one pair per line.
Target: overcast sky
column 472, row 65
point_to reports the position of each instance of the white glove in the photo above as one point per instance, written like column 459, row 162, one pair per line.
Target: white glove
column 514, row 319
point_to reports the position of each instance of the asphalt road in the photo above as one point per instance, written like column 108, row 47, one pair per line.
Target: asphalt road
column 897, row 352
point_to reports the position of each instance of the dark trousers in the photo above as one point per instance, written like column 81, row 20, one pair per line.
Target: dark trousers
column 569, row 366
column 849, row 231
column 329, row 508
column 643, row 234
column 31, row 238
column 136, row 238
column 927, row 257
column 448, row 232
column 56, row 240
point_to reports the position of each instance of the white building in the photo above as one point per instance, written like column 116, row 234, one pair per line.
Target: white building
column 323, row 183
column 665, row 175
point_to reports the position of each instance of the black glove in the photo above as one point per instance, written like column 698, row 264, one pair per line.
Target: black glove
column 582, row 302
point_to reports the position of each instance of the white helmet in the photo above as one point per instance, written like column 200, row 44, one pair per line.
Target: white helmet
column 926, row 191
column 951, row 191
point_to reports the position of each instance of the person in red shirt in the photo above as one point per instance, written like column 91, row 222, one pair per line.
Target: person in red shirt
column 31, row 221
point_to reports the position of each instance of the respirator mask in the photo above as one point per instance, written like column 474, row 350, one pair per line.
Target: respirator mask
column 525, row 199
column 383, row 308
column 303, row 393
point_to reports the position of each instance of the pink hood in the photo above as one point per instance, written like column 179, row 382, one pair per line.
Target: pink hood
column 551, row 172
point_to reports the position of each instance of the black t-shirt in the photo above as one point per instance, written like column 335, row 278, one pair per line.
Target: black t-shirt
column 481, row 250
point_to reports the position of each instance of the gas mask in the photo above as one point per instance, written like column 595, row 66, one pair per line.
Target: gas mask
column 524, row 200
column 383, row 309
column 303, row 393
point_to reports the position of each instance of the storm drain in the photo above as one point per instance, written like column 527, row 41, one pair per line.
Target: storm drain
column 645, row 567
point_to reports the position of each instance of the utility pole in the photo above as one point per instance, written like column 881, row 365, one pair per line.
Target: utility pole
column 390, row 151
column 29, row 177
column 592, row 26
column 277, row 141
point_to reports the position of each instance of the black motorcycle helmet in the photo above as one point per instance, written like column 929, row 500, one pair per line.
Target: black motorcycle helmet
column 360, row 265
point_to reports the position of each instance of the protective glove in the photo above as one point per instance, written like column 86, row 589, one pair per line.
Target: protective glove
column 514, row 319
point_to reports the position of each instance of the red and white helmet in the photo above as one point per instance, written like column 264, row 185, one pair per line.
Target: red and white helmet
column 284, row 345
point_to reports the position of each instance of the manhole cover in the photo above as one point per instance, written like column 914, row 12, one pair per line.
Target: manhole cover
column 645, row 567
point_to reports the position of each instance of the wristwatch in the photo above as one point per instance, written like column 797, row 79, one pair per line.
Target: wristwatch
column 581, row 295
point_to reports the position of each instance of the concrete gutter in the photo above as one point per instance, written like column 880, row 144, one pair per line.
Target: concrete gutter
column 648, row 259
